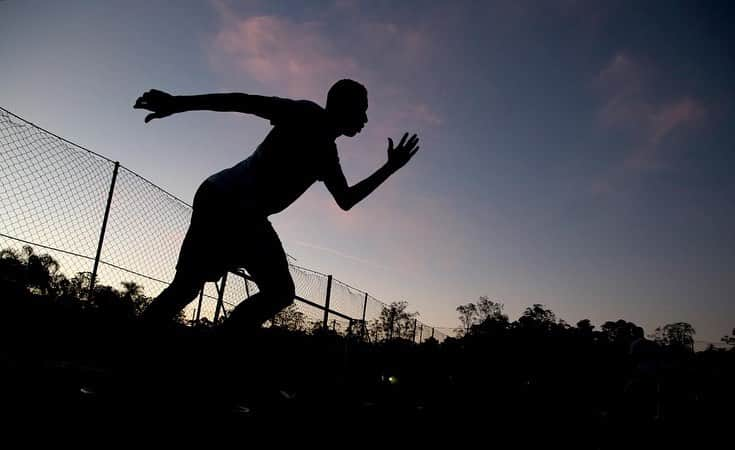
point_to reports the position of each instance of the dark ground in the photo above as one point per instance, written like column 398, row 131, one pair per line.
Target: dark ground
column 280, row 384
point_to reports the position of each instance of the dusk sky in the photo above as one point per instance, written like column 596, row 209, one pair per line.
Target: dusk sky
column 573, row 153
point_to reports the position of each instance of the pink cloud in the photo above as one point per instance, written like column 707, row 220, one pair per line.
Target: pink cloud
column 631, row 106
column 621, row 81
column 288, row 56
column 663, row 121
column 300, row 58
column 685, row 111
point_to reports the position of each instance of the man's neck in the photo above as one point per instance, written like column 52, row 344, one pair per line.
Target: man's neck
column 333, row 132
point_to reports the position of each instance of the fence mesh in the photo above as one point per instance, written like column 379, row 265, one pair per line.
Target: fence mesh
column 346, row 299
column 53, row 197
column 310, row 285
column 144, row 230
column 51, row 192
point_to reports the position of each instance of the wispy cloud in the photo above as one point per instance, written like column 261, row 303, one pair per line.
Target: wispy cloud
column 289, row 56
column 301, row 58
column 344, row 255
column 651, row 120
column 664, row 121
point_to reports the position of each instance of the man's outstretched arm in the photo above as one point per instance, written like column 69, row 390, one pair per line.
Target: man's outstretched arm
column 163, row 104
column 348, row 196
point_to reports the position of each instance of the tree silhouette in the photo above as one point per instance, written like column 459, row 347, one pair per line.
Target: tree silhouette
column 12, row 269
column 538, row 319
column 134, row 294
column 36, row 274
column 41, row 270
column 729, row 339
column 467, row 317
column 486, row 316
column 678, row 336
column 621, row 332
column 490, row 310
column 585, row 327
column 394, row 322
column 290, row 318
column 29, row 271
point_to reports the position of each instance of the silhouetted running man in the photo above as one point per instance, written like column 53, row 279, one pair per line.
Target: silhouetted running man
column 229, row 224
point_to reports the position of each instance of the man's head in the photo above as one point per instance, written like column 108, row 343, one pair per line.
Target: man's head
column 347, row 105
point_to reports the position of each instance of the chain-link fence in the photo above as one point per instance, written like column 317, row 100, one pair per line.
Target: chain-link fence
column 93, row 215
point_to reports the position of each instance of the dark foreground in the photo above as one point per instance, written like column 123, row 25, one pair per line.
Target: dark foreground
column 184, row 381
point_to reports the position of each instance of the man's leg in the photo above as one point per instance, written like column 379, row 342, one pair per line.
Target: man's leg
column 182, row 290
column 195, row 264
column 268, row 266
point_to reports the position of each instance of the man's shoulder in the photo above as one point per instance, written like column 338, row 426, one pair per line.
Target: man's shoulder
column 309, row 104
column 303, row 112
column 310, row 109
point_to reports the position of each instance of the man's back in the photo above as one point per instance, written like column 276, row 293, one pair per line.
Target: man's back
column 298, row 151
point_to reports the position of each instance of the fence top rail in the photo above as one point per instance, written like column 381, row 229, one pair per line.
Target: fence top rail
column 28, row 122
column 308, row 270
column 74, row 144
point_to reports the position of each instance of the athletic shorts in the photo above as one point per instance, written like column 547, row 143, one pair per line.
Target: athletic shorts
column 222, row 237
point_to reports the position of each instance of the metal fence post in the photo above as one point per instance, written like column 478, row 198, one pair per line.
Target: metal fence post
column 326, row 302
column 415, row 325
column 364, row 309
column 199, row 305
column 104, row 227
column 220, row 297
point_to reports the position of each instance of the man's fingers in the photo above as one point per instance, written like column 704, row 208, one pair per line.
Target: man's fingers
column 403, row 139
column 407, row 147
column 413, row 141
column 143, row 101
column 147, row 96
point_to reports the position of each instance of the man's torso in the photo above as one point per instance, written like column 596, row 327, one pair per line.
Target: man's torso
column 296, row 152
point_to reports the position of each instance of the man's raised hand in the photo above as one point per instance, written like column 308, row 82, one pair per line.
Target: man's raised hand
column 160, row 103
column 399, row 156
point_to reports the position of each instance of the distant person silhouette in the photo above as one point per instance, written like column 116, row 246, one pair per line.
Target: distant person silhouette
column 229, row 225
